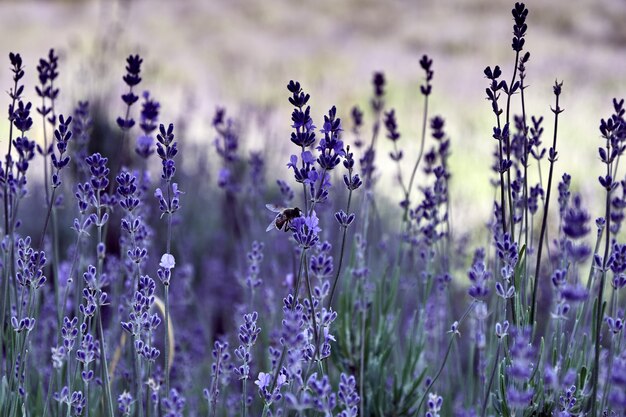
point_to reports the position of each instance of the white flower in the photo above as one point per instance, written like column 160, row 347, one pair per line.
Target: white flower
column 263, row 380
column 167, row 261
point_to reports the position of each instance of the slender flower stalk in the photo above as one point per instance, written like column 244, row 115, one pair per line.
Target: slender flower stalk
column 426, row 90
column 552, row 157
column 169, row 203
column 614, row 132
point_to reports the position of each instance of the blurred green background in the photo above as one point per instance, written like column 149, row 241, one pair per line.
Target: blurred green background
column 241, row 53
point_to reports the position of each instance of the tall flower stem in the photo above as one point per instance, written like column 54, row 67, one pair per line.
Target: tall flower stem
column 284, row 350
column 493, row 373
column 341, row 255
column 599, row 301
column 453, row 334
column 419, row 158
column 552, row 158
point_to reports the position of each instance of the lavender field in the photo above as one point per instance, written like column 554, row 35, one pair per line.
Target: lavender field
column 316, row 209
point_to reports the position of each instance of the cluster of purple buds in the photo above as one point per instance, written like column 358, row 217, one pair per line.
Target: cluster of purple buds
column 479, row 277
column 321, row 264
column 148, row 124
column 323, row 398
column 255, row 256
column 520, row 12
column 378, row 101
column 304, row 134
column 80, row 128
column 167, row 149
column 69, row 332
column 132, row 79
column 141, row 322
column 25, row 324
column 92, row 293
column 502, row 135
column 324, row 320
column 564, row 193
column 99, row 180
column 219, row 369
column 128, row 193
column 616, row 324
column 493, row 90
column 567, row 402
column 293, row 337
column 351, row 181
column 357, row 123
column 264, row 382
column 173, row 404
column 392, row 133
column 617, row 264
column 85, row 198
column 24, row 147
column 47, row 72
column 306, row 171
column 534, row 141
column 306, row 230
column 521, row 368
column 125, row 403
column 75, row 401
column 426, row 63
column 30, row 264
column 506, row 250
column 437, row 125
column 286, row 192
column 347, row 395
column 18, row 73
column 227, row 145
column 62, row 135
column 330, row 146
column 433, row 405
column 248, row 333
column 88, row 352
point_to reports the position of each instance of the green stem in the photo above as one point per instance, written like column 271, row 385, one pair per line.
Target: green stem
column 544, row 221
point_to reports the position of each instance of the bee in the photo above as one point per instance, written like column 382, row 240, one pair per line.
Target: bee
column 283, row 218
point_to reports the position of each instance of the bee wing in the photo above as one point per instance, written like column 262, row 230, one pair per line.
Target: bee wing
column 271, row 226
column 274, row 208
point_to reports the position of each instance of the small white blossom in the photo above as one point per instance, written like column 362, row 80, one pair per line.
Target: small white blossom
column 167, row 261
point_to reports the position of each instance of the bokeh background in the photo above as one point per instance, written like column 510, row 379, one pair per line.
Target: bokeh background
column 200, row 54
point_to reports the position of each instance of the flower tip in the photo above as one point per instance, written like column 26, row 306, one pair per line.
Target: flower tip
column 167, row 261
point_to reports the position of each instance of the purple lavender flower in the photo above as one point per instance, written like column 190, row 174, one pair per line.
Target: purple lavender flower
column 173, row 404
column 479, row 276
column 433, row 404
column 148, row 124
column 378, row 81
column 520, row 12
column 47, row 73
column 506, row 250
column 254, row 258
column 306, row 230
column 62, row 135
column 330, row 146
column 132, row 79
column 322, row 396
column 304, row 135
column 167, row 150
column 521, row 368
column 357, row 123
column 567, row 402
column 125, row 403
column 248, row 333
column 75, row 401
column 348, row 396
